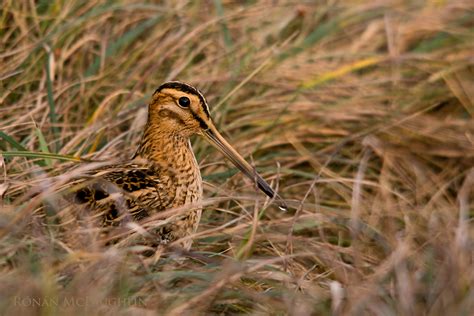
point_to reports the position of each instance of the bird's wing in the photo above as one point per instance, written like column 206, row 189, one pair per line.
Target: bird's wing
column 121, row 191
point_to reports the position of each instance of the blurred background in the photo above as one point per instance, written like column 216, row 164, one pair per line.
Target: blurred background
column 359, row 112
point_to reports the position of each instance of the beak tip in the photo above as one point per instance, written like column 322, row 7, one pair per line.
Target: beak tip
column 282, row 205
column 222, row 145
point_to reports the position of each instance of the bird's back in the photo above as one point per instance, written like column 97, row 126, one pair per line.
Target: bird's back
column 136, row 190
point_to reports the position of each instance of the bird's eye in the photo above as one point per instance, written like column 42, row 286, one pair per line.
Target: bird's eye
column 184, row 102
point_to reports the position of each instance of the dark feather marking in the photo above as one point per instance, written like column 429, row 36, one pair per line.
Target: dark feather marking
column 201, row 122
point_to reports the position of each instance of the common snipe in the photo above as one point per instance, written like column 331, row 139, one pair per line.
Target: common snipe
column 163, row 173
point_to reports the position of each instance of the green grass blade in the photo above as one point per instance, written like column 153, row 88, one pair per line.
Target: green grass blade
column 319, row 33
column 123, row 41
column 439, row 41
column 225, row 30
column 12, row 142
column 33, row 155
column 43, row 146
column 50, row 95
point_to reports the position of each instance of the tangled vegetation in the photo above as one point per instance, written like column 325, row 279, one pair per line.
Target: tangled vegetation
column 359, row 112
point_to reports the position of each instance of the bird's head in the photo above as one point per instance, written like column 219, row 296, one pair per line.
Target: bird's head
column 182, row 109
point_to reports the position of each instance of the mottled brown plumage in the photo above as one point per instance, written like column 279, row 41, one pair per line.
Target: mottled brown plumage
column 163, row 174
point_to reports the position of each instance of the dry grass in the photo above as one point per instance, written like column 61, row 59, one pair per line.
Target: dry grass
column 361, row 113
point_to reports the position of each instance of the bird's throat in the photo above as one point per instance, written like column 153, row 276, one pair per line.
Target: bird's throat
column 169, row 150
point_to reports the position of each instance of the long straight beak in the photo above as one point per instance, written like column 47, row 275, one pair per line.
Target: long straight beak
column 216, row 139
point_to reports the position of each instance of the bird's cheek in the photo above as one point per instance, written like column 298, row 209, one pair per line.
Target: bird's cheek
column 171, row 115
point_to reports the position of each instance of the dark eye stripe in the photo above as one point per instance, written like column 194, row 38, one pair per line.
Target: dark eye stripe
column 202, row 124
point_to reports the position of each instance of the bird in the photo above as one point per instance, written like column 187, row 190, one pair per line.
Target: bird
column 163, row 173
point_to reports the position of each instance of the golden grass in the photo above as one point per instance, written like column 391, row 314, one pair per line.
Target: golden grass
column 360, row 112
